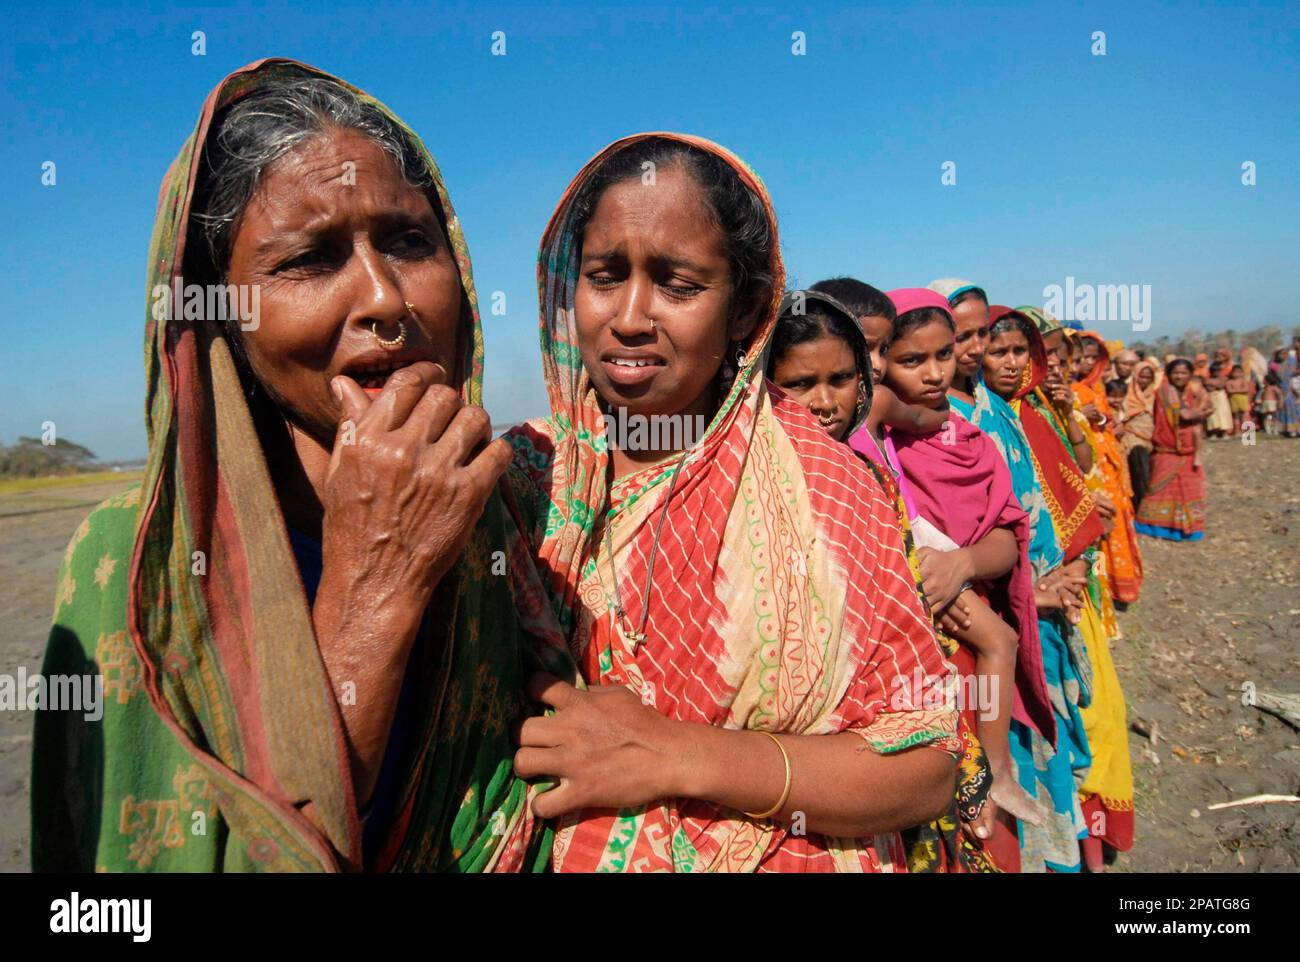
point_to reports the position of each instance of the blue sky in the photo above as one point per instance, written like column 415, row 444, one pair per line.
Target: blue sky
column 1120, row 169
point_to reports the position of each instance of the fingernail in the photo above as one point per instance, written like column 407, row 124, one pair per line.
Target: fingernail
column 337, row 389
column 982, row 832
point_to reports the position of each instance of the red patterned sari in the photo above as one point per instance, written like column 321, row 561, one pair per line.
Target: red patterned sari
column 1174, row 507
column 780, row 598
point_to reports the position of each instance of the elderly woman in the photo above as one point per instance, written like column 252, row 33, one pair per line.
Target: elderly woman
column 744, row 603
column 315, row 617
column 1123, row 364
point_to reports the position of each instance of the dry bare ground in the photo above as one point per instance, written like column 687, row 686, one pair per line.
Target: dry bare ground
column 34, row 529
column 1213, row 616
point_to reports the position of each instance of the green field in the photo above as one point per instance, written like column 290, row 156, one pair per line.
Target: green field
column 23, row 485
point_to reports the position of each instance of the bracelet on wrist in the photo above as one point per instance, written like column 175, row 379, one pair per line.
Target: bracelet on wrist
column 785, row 794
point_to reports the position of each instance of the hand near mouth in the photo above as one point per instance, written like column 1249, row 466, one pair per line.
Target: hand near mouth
column 409, row 476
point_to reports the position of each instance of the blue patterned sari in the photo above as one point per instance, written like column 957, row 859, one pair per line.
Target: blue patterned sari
column 1050, row 774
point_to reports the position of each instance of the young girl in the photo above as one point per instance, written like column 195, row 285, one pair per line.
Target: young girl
column 829, row 358
column 961, row 489
column 1271, row 402
column 1115, row 391
column 1219, row 423
column 1241, row 395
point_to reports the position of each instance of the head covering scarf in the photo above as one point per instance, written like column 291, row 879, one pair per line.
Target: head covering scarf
column 1091, row 388
column 1074, row 512
column 1123, row 555
column 1254, row 364
column 1139, row 399
column 1119, row 353
column 951, row 288
column 1045, row 322
column 219, row 699
column 912, row 298
column 995, row 417
column 737, row 634
column 863, row 441
column 788, row 303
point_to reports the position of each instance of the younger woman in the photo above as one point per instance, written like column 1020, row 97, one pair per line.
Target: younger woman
column 742, row 607
column 1014, row 365
column 1174, row 508
column 1288, row 374
column 1068, row 465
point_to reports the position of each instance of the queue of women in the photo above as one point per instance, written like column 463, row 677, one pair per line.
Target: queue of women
column 862, row 624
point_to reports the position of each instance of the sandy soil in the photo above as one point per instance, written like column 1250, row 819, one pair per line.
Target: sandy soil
column 1213, row 616
column 34, row 529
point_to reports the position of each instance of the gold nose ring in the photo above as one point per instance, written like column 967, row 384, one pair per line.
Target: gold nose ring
column 389, row 345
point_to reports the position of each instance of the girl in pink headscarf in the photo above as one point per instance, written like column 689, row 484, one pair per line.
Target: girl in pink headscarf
column 971, row 532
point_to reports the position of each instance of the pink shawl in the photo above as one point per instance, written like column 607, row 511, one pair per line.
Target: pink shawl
column 960, row 483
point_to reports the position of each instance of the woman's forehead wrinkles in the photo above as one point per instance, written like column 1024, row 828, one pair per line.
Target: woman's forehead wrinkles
column 304, row 211
column 663, row 248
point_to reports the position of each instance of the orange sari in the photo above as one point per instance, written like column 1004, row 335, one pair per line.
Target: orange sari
column 1123, row 556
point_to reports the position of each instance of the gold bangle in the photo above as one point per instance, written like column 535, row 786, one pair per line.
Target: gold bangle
column 785, row 795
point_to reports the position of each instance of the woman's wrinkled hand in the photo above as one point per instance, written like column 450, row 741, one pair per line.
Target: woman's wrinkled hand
column 604, row 747
column 1062, row 590
column 409, row 475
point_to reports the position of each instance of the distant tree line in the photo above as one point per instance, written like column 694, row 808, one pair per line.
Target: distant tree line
column 1192, row 342
column 30, row 458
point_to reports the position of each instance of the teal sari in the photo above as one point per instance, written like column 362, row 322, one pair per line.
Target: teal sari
column 1050, row 774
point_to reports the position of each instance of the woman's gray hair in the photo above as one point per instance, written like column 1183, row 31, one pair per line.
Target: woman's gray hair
column 269, row 123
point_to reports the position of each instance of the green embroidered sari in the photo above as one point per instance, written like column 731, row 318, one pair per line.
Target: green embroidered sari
column 220, row 727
